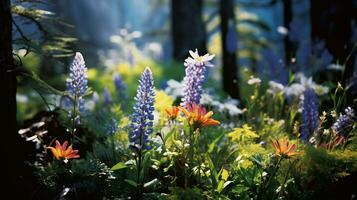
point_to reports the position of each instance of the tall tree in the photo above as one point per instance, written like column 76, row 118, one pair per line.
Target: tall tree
column 12, row 161
column 331, row 22
column 288, row 15
column 188, row 29
column 230, row 67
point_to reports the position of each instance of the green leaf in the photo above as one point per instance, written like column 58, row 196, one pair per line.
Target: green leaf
column 131, row 182
column 213, row 174
column 214, row 143
column 119, row 165
column 220, row 186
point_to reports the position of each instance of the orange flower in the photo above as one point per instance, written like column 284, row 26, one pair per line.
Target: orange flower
column 172, row 112
column 61, row 151
column 282, row 148
column 198, row 116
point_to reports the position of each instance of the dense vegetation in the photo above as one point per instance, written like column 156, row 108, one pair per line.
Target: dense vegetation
column 238, row 122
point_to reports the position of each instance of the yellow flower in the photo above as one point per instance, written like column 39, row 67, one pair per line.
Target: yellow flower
column 198, row 116
column 162, row 102
column 282, row 148
column 61, row 151
column 244, row 132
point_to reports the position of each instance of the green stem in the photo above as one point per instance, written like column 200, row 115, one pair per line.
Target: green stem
column 285, row 179
column 139, row 185
column 74, row 116
column 266, row 185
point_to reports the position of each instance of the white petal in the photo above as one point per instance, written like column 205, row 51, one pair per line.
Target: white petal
column 194, row 54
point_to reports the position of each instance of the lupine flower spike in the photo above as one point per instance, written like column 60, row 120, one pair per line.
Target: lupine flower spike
column 107, row 98
column 77, row 85
column 284, row 149
column 310, row 114
column 194, row 76
column 61, row 151
column 344, row 123
column 120, row 86
column 142, row 117
column 198, row 116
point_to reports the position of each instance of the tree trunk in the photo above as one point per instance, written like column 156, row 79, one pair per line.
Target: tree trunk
column 288, row 16
column 230, row 67
column 187, row 28
column 331, row 22
column 10, row 149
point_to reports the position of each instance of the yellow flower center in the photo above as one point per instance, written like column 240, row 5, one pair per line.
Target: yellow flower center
column 200, row 59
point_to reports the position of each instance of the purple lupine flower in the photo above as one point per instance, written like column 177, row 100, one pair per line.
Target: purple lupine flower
column 344, row 123
column 107, row 97
column 142, row 118
column 120, row 86
column 274, row 67
column 195, row 75
column 77, row 84
column 310, row 114
column 112, row 127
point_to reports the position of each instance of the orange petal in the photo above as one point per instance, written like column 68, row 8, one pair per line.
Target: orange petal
column 55, row 152
column 64, row 145
column 68, row 151
column 58, row 145
column 185, row 111
column 208, row 115
column 292, row 148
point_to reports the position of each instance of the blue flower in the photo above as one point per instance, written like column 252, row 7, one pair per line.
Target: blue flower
column 120, row 86
column 142, row 118
column 344, row 123
column 112, row 127
column 310, row 114
column 77, row 84
column 107, row 98
column 195, row 75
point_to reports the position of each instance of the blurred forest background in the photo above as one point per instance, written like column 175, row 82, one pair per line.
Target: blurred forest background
column 269, row 38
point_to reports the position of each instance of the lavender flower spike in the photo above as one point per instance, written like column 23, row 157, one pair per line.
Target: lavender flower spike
column 195, row 75
column 310, row 114
column 77, row 83
column 120, row 86
column 142, row 118
column 344, row 123
column 107, row 98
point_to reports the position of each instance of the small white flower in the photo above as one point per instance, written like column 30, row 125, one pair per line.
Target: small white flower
column 295, row 89
column 174, row 88
column 254, row 81
column 275, row 87
column 282, row 30
column 198, row 60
